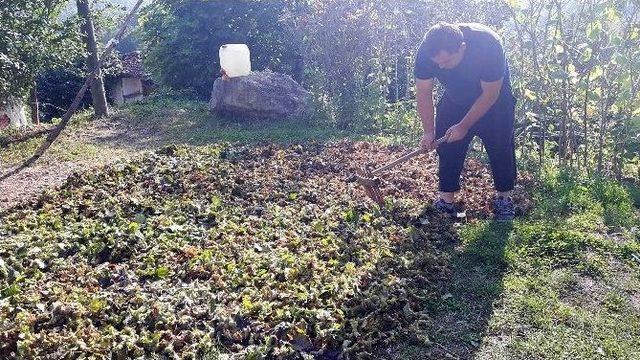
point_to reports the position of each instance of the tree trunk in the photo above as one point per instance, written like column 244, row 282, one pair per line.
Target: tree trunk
column 603, row 122
column 12, row 114
column 298, row 69
column 35, row 106
column 585, row 124
column 97, row 88
column 542, row 139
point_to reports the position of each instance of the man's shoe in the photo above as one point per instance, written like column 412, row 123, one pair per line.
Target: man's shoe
column 504, row 209
column 448, row 209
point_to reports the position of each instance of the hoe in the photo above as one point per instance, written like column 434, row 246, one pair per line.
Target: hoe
column 367, row 177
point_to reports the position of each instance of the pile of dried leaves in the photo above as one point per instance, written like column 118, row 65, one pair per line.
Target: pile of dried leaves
column 257, row 252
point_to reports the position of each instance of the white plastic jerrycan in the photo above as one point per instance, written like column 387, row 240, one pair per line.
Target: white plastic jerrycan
column 235, row 59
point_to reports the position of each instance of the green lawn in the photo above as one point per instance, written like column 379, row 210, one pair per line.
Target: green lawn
column 561, row 283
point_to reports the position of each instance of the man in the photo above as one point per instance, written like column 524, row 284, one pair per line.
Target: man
column 469, row 61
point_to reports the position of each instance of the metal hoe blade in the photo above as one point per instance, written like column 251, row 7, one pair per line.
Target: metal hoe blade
column 371, row 185
column 366, row 177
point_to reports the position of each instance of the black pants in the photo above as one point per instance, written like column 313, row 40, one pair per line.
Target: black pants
column 495, row 129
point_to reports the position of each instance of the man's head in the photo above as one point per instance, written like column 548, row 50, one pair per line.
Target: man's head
column 445, row 45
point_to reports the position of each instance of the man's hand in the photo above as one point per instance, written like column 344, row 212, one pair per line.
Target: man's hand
column 456, row 132
column 427, row 142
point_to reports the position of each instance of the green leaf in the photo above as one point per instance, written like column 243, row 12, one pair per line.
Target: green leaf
column 586, row 55
column 593, row 30
column 162, row 272
column 366, row 218
column 612, row 15
column 596, row 73
column 133, row 227
column 97, row 305
column 247, row 304
column 140, row 218
column 349, row 268
column 216, row 203
column 515, row 4
column 530, row 95
column 11, row 290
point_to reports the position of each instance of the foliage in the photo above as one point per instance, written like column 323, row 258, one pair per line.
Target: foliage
column 573, row 64
column 32, row 39
column 181, row 39
column 254, row 249
column 349, row 49
column 43, row 46
column 575, row 70
column 57, row 89
column 572, row 273
column 194, row 235
column 357, row 52
column 496, row 291
column 595, row 204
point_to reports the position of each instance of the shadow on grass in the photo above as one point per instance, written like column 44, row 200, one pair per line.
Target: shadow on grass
column 459, row 310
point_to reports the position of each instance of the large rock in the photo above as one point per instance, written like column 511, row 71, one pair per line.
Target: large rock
column 259, row 95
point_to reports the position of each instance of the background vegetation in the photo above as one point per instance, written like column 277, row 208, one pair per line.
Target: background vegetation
column 574, row 64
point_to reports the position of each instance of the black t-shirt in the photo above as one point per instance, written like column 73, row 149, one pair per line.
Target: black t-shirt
column 484, row 59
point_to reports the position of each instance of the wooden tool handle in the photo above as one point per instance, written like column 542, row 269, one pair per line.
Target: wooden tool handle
column 406, row 157
column 442, row 140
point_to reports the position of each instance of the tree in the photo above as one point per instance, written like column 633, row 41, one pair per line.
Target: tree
column 357, row 51
column 88, row 35
column 55, row 132
column 575, row 69
column 32, row 38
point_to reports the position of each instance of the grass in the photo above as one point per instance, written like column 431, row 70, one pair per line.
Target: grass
column 571, row 276
column 561, row 283
column 69, row 147
column 191, row 123
column 161, row 120
column 157, row 122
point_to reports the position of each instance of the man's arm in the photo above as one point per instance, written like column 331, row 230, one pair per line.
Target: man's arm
column 489, row 96
column 424, row 98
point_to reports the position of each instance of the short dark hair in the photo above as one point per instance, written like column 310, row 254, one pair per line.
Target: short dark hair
column 443, row 36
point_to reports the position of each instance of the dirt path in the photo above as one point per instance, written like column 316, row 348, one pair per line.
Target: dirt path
column 89, row 145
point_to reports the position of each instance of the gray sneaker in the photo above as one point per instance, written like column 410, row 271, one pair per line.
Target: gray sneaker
column 504, row 209
column 448, row 209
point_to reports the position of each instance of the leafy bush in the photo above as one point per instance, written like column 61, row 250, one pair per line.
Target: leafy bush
column 181, row 38
column 56, row 90
column 33, row 38
column 634, row 192
column 567, row 58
